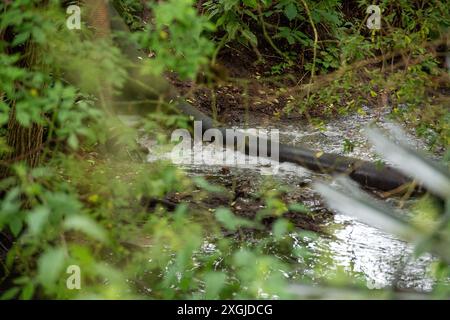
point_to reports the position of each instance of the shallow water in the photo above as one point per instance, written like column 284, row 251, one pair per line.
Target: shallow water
column 370, row 254
column 354, row 247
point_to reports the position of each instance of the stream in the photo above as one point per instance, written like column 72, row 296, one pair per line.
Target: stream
column 352, row 247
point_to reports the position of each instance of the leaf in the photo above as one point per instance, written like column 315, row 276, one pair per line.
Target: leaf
column 86, row 225
column 62, row 203
column 10, row 205
column 230, row 221
column 353, row 202
column 15, row 225
column 228, row 4
column 431, row 174
column 298, row 207
column 10, row 293
column 23, row 117
column 291, row 11
column 20, row 38
column 38, row 35
column 250, row 3
column 4, row 113
column 280, row 228
column 37, row 218
column 73, row 141
column 250, row 36
column 242, row 258
column 231, row 29
column 27, row 291
column 205, row 185
column 214, row 282
column 50, row 266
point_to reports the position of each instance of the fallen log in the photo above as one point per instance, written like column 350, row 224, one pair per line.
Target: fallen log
column 366, row 173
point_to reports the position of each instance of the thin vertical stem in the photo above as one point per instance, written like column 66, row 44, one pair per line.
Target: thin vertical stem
column 316, row 39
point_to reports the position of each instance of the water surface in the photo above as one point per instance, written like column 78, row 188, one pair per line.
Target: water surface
column 352, row 247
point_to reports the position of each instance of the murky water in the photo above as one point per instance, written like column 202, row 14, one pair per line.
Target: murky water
column 353, row 247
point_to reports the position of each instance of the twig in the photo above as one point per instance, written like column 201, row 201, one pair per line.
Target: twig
column 267, row 37
column 316, row 39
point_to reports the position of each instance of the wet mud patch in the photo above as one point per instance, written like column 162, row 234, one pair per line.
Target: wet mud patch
column 245, row 200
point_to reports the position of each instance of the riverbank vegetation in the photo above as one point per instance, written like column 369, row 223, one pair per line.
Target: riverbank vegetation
column 76, row 189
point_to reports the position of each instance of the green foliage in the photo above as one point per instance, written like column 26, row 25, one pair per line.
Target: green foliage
column 227, row 16
column 91, row 211
column 229, row 221
column 177, row 39
column 344, row 41
column 87, row 207
column 255, row 22
column 402, row 74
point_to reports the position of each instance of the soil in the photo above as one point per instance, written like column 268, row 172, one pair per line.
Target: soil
column 237, row 87
column 244, row 201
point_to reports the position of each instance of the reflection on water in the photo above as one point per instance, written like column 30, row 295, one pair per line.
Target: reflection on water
column 358, row 249
column 381, row 259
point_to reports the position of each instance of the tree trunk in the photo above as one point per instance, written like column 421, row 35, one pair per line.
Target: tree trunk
column 25, row 142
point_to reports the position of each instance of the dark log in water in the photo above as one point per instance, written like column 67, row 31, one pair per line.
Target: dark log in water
column 366, row 173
